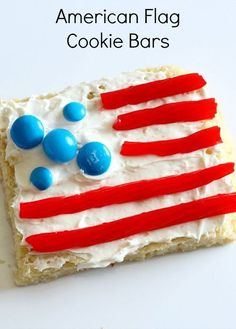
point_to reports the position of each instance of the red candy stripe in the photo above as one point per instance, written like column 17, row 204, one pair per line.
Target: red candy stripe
column 125, row 227
column 199, row 140
column 128, row 192
column 152, row 90
column 168, row 113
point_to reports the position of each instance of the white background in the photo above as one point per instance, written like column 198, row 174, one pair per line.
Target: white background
column 193, row 290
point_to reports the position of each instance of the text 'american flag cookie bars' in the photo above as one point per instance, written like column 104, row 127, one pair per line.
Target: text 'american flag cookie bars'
column 118, row 169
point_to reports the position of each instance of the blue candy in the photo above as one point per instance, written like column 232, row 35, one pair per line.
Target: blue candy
column 74, row 111
column 94, row 158
column 41, row 178
column 60, row 145
column 27, row 131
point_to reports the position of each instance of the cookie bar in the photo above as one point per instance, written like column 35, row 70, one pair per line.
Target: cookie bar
column 114, row 170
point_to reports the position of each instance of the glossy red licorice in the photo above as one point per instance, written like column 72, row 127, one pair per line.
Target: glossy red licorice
column 202, row 139
column 187, row 111
column 128, row 192
column 152, row 90
column 125, row 227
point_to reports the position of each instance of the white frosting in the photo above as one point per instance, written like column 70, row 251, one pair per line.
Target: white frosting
column 68, row 180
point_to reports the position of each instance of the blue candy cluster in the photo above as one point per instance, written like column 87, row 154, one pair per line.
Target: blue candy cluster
column 60, row 146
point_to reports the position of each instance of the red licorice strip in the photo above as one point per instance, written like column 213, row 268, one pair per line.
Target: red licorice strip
column 123, row 193
column 152, row 90
column 125, row 227
column 187, row 111
column 199, row 140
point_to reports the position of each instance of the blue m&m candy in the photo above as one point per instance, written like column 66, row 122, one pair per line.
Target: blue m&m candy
column 94, row 158
column 60, row 145
column 41, row 178
column 74, row 111
column 27, row 131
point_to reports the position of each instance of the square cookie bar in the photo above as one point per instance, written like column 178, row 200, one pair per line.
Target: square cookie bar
column 114, row 170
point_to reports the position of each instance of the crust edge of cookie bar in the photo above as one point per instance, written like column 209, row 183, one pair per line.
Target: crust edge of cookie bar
column 26, row 273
